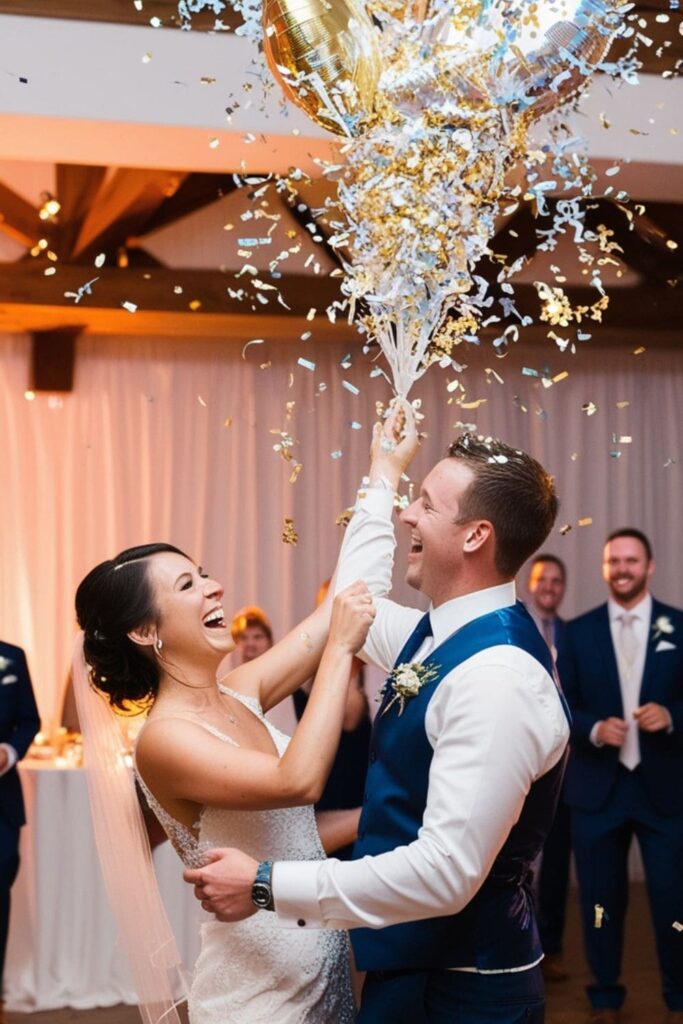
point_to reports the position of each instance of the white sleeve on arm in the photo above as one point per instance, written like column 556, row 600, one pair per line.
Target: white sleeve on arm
column 495, row 729
column 367, row 552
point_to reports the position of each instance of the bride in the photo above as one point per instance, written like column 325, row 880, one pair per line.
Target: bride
column 215, row 771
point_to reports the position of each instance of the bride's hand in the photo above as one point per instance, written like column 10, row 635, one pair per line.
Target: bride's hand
column 394, row 443
column 352, row 614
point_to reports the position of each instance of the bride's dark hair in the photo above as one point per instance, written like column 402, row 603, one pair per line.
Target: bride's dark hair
column 113, row 599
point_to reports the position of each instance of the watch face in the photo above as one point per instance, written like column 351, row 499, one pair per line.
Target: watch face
column 260, row 894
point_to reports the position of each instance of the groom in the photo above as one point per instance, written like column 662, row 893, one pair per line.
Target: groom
column 464, row 773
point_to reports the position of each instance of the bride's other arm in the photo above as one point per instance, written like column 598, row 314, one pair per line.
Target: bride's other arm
column 179, row 761
column 367, row 553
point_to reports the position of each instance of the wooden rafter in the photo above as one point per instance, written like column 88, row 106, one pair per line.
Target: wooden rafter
column 125, row 205
column 77, row 187
column 18, row 218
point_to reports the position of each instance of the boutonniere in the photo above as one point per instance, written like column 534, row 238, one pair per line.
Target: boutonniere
column 4, row 663
column 662, row 626
column 406, row 681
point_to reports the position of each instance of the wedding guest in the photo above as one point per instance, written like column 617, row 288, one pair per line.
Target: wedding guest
column 19, row 722
column 466, row 763
column 252, row 633
column 546, row 586
column 346, row 783
column 621, row 666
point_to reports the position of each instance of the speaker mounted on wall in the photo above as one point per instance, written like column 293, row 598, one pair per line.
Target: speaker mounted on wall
column 53, row 358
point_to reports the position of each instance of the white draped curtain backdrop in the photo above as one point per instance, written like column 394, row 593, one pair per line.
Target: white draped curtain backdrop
column 173, row 440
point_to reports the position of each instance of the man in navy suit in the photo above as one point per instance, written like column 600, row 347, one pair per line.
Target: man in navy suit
column 622, row 669
column 19, row 722
column 546, row 585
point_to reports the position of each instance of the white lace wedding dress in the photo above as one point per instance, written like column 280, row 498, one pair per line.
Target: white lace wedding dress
column 254, row 972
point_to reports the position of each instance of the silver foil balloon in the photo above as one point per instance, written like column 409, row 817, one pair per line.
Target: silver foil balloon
column 541, row 54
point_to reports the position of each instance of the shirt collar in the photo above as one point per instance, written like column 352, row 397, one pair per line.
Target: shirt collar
column 642, row 610
column 452, row 615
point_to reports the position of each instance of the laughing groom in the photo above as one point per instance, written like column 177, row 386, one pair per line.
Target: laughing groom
column 466, row 761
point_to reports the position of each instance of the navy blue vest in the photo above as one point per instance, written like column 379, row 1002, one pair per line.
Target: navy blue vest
column 497, row 929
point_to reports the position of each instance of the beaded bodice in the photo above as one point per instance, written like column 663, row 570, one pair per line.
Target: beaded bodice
column 287, row 833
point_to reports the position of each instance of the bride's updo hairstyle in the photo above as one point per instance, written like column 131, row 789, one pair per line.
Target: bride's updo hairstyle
column 113, row 599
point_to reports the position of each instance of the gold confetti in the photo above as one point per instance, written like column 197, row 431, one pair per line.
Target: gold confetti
column 639, row 351
column 201, row 401
column 228, row 422
column 289, row 534
column 677, row 926
column 586, row 522
column 195, row 305
column 599, row 914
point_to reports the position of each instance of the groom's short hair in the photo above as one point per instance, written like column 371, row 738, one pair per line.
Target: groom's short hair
column 513, row 492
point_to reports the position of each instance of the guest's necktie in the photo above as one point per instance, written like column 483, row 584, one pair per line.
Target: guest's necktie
column 629, row 752
column 549, row 632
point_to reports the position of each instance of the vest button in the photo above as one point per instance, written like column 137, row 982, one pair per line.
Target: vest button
column 301, row 923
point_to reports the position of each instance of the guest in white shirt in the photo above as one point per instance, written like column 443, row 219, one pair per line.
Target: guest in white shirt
column 465, row 766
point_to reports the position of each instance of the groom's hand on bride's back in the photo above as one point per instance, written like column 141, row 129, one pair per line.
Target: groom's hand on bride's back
column 223, row 884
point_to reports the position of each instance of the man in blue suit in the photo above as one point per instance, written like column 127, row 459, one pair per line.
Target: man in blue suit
column 19, row 722
column 546, row 585
column 622, row 669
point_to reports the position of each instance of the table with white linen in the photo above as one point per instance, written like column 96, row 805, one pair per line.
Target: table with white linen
column 62, row 947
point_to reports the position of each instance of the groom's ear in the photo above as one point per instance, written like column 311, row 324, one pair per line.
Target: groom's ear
column 478, row 532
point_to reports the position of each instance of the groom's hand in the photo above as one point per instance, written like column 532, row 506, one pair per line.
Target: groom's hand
column 394, row 443
column 223, row 884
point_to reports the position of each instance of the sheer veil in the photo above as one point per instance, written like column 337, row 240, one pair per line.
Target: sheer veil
column 125, row 857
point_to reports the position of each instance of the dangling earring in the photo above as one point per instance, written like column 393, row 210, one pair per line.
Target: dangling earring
column 158, row 645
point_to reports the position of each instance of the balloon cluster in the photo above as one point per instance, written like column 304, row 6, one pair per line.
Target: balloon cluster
column 435, row 99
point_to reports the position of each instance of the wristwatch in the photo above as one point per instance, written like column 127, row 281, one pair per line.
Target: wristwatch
column 262, row 890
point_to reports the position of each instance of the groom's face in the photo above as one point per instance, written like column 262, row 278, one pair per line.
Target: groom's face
column 436, row 549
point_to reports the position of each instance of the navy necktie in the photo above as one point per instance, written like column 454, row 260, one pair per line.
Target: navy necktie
column 416, row 639
column 408, row 652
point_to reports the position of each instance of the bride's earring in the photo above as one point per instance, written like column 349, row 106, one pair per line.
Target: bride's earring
column 158, row 644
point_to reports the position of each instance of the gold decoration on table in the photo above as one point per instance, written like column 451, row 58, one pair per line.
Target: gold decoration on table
column 325, row 55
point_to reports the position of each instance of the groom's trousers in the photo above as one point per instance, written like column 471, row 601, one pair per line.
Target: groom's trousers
column 452, row 997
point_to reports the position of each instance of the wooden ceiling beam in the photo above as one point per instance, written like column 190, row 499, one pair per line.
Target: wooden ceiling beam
column 18, row 218
column 77, row 187
column 163, row 289
column 129, row 200
column 195, row 192
column 202, row 298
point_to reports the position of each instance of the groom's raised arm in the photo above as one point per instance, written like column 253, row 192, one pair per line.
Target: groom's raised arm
column 367, row 554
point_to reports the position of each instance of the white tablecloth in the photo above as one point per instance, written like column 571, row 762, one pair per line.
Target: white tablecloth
column 62, row 943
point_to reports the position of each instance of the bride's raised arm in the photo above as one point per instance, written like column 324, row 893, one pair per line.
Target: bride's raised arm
column 294, row 659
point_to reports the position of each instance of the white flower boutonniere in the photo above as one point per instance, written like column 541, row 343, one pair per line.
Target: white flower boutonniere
column 406, row 681
column 662, row 626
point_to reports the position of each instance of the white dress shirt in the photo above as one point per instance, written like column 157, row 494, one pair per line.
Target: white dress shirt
column 630, row 680
column 496, row 725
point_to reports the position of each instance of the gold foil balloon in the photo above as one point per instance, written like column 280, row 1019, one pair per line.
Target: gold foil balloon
column 325, row 55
